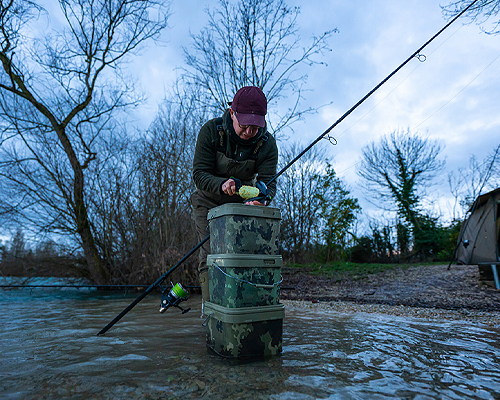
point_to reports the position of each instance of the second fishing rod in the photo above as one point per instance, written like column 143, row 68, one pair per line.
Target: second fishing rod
column 261, row 192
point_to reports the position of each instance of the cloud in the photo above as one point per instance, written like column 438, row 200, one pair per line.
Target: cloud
column 451, row 97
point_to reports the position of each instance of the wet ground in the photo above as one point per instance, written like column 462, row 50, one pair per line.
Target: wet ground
column 50, row 350
column 433, row 286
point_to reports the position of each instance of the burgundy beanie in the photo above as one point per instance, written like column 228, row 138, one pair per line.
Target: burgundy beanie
column 250, row 104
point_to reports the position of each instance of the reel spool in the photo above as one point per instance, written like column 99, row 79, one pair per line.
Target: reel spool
column 173, row 297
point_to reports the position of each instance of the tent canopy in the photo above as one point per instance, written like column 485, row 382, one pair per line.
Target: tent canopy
column 479, row 239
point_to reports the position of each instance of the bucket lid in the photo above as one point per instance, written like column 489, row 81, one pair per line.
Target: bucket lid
column 244, row 315
column 245, row 260
column 245, row 210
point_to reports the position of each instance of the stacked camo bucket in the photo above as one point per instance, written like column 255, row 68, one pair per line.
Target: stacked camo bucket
column 245, row 318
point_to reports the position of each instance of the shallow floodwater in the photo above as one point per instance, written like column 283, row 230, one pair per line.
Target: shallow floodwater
column 50, row 350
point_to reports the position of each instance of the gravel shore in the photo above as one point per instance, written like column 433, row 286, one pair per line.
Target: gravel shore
column 429, row 292
column 489, row 318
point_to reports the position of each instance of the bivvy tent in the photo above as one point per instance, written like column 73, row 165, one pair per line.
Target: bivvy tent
column 479, row 239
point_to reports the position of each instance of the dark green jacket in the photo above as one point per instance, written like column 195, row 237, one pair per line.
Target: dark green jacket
column 207, row 174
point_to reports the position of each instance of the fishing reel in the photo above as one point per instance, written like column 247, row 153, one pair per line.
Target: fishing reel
column 251, row 193
column 172, row 298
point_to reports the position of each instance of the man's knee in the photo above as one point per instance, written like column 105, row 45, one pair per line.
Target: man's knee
column 203, row 278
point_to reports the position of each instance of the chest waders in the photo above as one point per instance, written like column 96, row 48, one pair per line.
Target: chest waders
column 228, row 166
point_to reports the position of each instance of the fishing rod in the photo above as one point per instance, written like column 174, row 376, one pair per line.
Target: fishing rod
column 151, row 288
column 416, row 54
column 263, row 188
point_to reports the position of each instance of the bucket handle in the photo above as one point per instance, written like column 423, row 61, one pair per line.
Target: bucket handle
column 204, row 323
column 257, row 285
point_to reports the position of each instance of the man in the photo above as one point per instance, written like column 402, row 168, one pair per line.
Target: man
column 234, row 146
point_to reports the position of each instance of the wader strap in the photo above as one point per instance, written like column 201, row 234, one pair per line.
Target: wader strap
column 258, row 145
column 223, row 138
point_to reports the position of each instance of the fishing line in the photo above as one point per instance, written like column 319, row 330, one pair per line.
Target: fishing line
column 430, row 116
column 402, row 81
column 348, row 168
column 416, row 53
column 376, row 105
column 459, row 92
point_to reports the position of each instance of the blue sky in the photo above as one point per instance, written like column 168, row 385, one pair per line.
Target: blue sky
column 451, row 97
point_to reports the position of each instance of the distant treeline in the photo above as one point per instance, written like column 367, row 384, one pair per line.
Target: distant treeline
column 384, row 244
column 85, row 192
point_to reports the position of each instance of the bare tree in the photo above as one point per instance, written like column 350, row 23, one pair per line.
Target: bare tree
column 140, row 199
column 57, row 98
column 296, row 197
column 480, row 12
column 317, row 210
column 253, row 42
column 165, row 184
column 398, row 169
column 467, row 184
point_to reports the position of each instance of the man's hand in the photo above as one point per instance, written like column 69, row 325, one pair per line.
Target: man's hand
column 229, row 187
column 254, row 203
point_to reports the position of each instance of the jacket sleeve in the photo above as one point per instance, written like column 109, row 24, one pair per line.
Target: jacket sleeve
column 204, row 160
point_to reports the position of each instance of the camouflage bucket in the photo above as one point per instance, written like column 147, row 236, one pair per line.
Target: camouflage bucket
column 244, row 332
column 244, row 229
column 241, row 280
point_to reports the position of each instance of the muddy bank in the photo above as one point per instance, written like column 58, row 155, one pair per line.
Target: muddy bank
column 424, row 287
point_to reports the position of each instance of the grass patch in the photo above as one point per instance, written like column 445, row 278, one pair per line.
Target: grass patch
column 348, row 269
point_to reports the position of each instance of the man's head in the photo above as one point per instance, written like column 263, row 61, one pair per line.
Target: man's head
column 248, row 111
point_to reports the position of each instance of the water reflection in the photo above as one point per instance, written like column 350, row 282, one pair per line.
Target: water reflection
column 50, row 349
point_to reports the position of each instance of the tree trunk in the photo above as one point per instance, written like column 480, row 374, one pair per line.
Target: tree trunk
column 98, row 271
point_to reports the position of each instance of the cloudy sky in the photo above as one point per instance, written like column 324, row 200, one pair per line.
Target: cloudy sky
column 451, row 97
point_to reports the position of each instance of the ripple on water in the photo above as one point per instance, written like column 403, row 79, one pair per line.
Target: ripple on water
column 50, row 348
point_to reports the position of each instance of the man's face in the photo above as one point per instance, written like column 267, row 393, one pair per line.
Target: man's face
column 244, row 132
